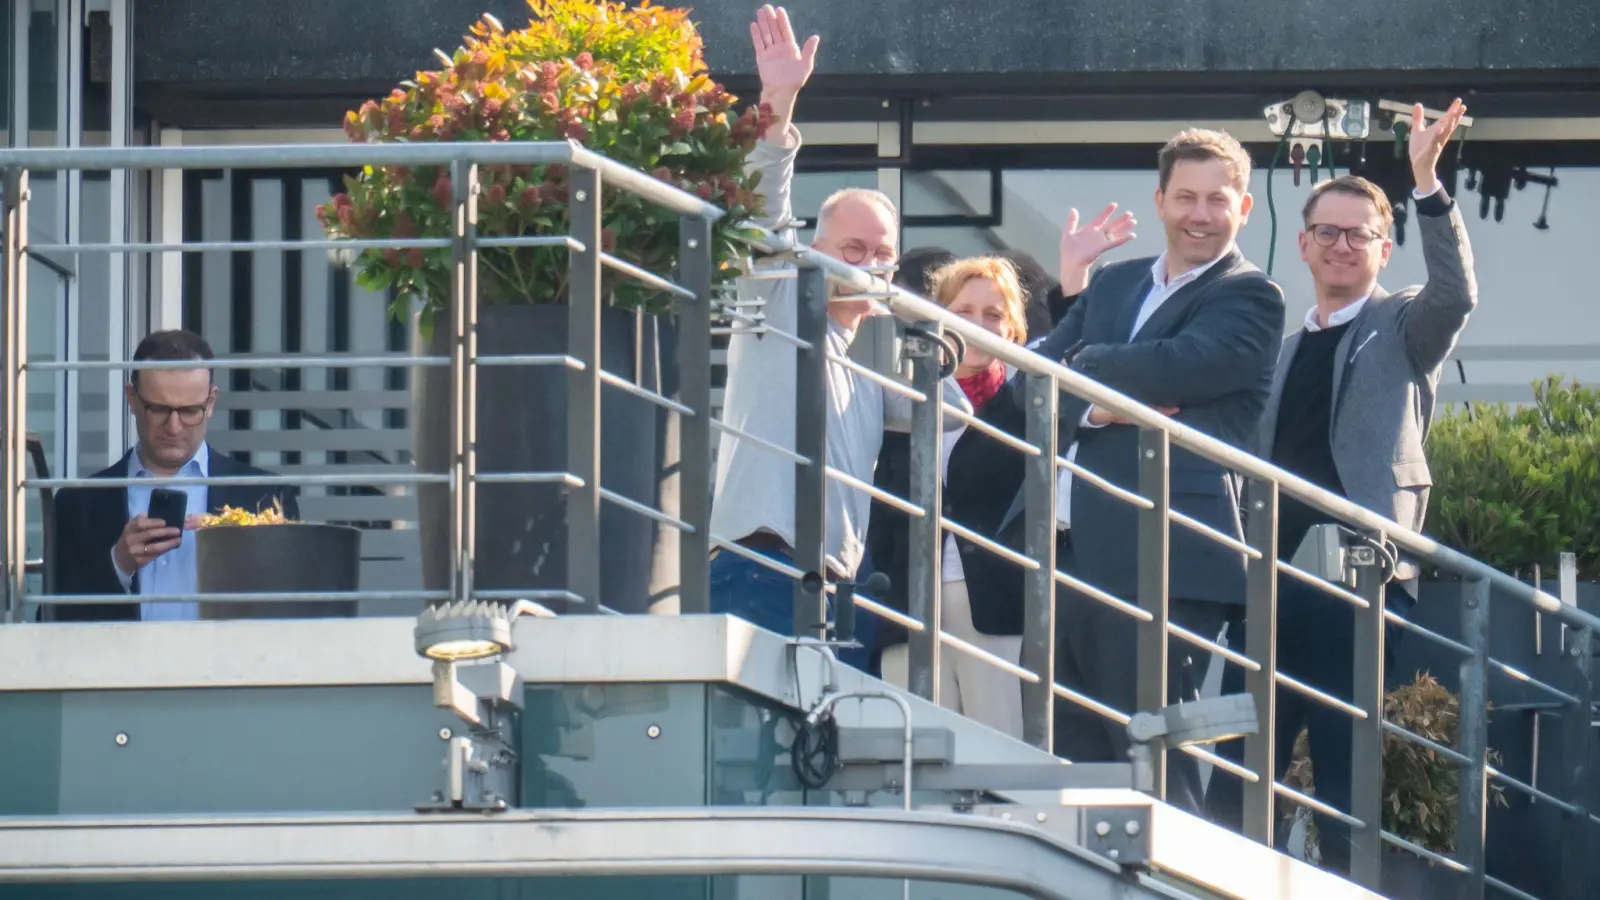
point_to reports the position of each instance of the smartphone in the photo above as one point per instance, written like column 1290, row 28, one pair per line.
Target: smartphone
column 169, row 506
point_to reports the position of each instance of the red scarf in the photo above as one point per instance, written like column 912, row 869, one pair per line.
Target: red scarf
column 980, row 387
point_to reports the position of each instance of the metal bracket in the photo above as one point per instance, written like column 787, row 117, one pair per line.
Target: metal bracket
column 1118, row 833
column 482, row 769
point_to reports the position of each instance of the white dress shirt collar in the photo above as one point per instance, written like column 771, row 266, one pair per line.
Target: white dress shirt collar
column 1339, row 317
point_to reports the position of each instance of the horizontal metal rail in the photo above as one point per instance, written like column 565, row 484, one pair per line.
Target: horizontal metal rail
column 306, row 361
column 356, row 479
column 355, row 156
column 262, row 597
column 911, row 307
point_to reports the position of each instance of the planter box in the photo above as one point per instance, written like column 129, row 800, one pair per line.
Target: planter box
column 521, row 427
column 1523, row 839
column 295, row 557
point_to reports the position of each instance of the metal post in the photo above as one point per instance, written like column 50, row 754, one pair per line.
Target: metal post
column 1039, row 587
column 1473, row 741
column 583, row 400
column 811, row 441
column 1577, row 741
column 13, row 353
column 926, row 536
column 1261, row 645
column 463, row 375
column 694, row 432
column 1366, row 735
column 1154, row 545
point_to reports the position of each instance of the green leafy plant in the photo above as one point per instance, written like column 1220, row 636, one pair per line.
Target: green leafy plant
column 1517, row 486
column 628, row 82
column 1420, row 786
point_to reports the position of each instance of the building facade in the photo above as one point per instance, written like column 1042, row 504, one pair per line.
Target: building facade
column 986, row 122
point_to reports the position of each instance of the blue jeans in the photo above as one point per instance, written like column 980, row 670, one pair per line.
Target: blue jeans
column 765, row 598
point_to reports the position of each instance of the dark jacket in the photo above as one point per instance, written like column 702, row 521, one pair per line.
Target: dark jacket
column 1209, row 350
column 983, row 476
column 89, row 521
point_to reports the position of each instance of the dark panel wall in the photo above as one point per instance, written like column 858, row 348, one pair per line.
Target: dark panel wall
column 345, row 40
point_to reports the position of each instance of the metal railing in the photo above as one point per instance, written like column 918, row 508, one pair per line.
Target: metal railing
column 1043, row 378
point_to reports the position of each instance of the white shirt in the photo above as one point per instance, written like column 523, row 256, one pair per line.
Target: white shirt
column 754, row 486
column 176, row 571
column 1339, row 317
column 1161, row 290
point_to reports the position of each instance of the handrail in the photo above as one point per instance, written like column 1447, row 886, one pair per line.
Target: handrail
column 270, row 156
column 911, row 307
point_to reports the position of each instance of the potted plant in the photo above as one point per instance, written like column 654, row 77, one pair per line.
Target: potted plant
column 1420, row 789
column 243, row 552
column 628, row 82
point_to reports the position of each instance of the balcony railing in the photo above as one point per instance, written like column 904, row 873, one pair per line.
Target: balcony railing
column 1044, row 378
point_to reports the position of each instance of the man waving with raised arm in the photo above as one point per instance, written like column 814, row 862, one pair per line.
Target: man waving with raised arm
column 754, row 502
column 1349, row 411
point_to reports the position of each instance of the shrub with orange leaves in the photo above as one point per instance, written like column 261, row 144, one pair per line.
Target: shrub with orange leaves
column 629, row 82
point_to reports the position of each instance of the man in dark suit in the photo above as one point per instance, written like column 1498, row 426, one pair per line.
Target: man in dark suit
column 104, row 543
column 1195, row 332
column 1350, row 409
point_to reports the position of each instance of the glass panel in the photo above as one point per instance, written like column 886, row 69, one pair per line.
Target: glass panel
column 96, row 389
column 949, row 193
column 43, row 74
column 639, row 745
column 749, row 751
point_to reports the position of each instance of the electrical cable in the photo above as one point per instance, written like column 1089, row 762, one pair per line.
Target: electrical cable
column 1272, row 206
column 815, row 752
column 952, row 349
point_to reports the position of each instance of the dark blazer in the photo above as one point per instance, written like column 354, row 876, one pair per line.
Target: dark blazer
column 1209, row 350
column 983, row 476
column 89, row 521
column 1387, row 375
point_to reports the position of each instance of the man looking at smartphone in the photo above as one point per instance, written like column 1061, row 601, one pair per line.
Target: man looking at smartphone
column 117, row 540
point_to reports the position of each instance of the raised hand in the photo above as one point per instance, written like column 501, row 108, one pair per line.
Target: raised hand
column 1080, row 247
column 1427, row 143
column 784, row 65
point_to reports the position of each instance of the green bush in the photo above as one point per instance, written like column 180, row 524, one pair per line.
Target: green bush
column 1518, row 486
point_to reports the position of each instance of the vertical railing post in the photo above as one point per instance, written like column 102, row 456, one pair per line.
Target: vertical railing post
column 1261, row 645
column 811, row 442
column 1154, row 558
column 1039, row 586
column 694, row 431
column 463, row 375
column 583, row 400
column 13, row 354
column 1473, row 741
column 1577, row 742
column 1366, row 735
column 926, row 535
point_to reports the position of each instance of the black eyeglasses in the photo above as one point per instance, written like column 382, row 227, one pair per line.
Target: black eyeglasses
column 161, row 413
column 857, row 253
column 1359, row 237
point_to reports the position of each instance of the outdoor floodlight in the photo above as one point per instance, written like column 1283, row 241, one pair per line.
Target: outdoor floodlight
column 481, row 766
column 1186, row 724
column 470, row 630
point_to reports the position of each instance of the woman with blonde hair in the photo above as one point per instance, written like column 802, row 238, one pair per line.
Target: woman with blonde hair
column 981, row 593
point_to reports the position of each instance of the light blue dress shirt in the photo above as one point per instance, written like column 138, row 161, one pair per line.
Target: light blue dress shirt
column 174, row 572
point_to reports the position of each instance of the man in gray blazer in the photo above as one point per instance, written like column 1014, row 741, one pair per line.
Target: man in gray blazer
column 1350, row 408
column 1194, row 331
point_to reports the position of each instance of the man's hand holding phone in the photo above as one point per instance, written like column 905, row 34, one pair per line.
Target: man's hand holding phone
column 147, row 536
column 143, row 539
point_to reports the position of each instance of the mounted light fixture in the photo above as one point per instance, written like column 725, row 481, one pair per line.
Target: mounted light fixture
column 482, row 766
column 470, row 630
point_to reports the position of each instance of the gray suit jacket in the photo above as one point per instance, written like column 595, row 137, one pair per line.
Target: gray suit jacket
column 1209, row 350
column 1387, row 376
